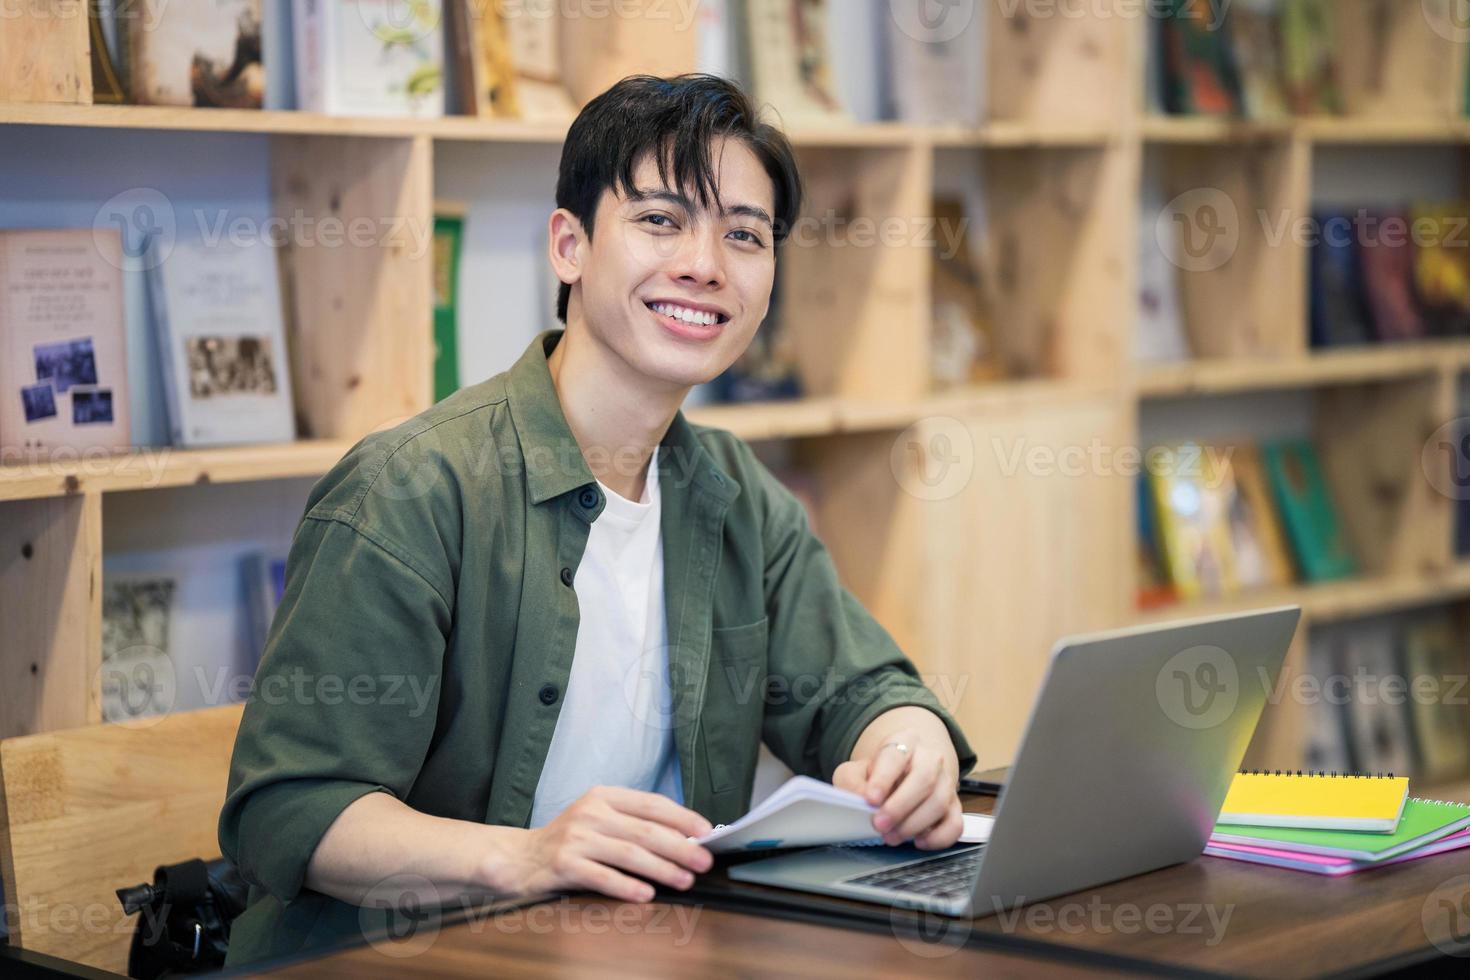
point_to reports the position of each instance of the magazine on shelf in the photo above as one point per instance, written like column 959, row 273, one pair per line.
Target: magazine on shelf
column 63, row 348
column 369, row 57
column 216, row 309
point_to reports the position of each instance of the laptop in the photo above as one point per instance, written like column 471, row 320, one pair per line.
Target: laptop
column 1123, row 767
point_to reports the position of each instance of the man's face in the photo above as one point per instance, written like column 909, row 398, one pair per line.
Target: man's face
column 676, row 290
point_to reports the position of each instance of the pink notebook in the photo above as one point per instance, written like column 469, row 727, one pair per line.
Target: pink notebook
column 1322, row 864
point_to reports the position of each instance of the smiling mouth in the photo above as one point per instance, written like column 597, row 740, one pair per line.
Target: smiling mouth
column 686, row 315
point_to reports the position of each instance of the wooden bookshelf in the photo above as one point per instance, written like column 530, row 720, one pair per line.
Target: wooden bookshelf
column 976, row 576
column 1333, row 601
column 1320, row 130
column 550, row 132
column 1343, row 366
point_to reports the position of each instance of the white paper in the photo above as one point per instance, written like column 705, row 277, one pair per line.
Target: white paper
column 977, row 828
column 804, row 812
column 807, row 812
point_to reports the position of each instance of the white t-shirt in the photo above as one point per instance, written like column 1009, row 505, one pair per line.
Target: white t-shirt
column 615, row 725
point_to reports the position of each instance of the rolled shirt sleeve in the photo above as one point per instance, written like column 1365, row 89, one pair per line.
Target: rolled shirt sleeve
column 837, row 667
column 344, row 702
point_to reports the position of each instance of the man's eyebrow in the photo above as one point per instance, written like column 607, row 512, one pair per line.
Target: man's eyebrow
column 682, row 201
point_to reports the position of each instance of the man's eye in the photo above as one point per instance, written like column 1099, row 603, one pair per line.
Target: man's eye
column 750, row 236
column 657, row 218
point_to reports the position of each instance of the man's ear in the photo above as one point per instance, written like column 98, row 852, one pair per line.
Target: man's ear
column 567, row 240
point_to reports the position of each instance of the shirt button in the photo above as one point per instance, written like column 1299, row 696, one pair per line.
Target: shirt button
column 548, row 694
column 566, row 576
column 588, row 499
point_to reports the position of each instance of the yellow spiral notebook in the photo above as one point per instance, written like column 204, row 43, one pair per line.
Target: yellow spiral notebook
column 1316, row 800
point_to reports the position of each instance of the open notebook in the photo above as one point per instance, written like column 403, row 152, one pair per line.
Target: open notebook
column 807, row 812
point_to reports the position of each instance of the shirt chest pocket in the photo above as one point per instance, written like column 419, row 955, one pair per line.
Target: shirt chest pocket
column 734, row 703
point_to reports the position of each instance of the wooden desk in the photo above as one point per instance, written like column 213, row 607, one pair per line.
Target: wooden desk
column 1208, row 917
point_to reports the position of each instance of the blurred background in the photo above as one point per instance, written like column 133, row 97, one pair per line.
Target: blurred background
column 1102, row 312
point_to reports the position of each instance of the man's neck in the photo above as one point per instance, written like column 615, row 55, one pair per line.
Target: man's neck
column 616, row 416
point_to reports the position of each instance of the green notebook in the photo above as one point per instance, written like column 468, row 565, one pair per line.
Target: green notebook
column 1423, row 821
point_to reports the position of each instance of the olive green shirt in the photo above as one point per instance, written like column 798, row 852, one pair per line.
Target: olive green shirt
column 428, row 623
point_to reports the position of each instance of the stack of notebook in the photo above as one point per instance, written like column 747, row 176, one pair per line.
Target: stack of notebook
column 1333, row 824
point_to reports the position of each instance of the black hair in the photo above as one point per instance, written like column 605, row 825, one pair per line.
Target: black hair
column 675, row 119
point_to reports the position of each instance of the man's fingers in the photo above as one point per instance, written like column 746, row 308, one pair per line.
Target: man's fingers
column 852, row 775
column 889, row 765
column 656, row 807
column 946, row 832
column 604, row 880
column 917, row 784
column 659, row 839
column 619, row 853
column 926, row 815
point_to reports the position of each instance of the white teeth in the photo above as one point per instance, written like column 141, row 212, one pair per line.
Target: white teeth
column 685, row 314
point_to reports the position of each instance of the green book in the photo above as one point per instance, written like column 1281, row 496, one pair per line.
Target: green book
column 448, row 239
column 1423, row 821
column 1307, row 510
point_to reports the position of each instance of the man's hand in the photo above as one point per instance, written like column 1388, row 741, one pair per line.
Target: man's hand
column 916, row 790
column 610, row 830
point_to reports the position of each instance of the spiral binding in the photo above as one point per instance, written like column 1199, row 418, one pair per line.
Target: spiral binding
column 1458, row 803
column 1334, row 774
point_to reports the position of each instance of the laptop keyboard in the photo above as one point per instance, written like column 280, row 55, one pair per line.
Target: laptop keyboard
column 946, row 876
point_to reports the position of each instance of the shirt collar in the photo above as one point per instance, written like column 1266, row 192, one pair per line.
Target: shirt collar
column 553, row 460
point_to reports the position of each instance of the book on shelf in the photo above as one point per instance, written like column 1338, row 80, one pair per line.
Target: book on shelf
column 1432, row 657
column 1328, row 739
column 1308, row 57
column 540, row 82
column 790, row 64
column 196, row 54
column 217, row 314
column 1442, row 267
column 138, row 619
column 369, row 57
column 1257, row 543
column 448, row 242
column 936, row 80
column 1199, row 71
column 1161, row 336
column 1387, row 264
column 1154, row 590
column 108, row 44
column 63, row 349
column 264, row 578
column 718, row 49
column 1339, row 313
column 1307, row 510
column 963, row 347
column 1193, row 523
column 484, row 68
column 1382, row 740
column 1255, row 31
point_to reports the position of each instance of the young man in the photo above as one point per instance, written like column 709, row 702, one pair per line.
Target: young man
column 532, row 638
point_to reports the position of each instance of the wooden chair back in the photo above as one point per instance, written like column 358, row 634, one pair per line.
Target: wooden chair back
column 86, row 811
